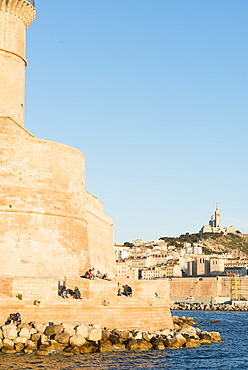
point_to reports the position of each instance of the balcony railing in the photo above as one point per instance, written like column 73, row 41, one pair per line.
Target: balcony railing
column 32, row 2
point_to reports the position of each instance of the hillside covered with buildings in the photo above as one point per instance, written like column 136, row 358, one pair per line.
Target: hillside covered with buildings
column 188, row 255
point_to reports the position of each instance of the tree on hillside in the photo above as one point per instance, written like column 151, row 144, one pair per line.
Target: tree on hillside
column 129, row 244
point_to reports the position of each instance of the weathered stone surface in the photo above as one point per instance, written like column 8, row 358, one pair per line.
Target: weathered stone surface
column 95, row 332
column 107, row 347
column 105, row 336
column 8, row 350
column 137, row 334
column 24, row 332
column 21, row 340
column 35, row 337
column 205, row 341
column 40, row 327
column 77, row 341
column 62, row 338
column 75, row 350
column 165, row 332
column 176, row 342
column 69, row 328
column 144, row 345
column 24, row 325
column 28, row 350
column 147, row 336
column 53, row 329
column 44, row 340
column 189, row 330
column 9, row 331
column 82, row 329
column 33, row 331
column 55, row 346
column 31, row 345
column 89, row 347
column 8, row 343
column 157, row 343
column 19, row 347
column 114, row 338
column 42, row 352
column 132, row 345
column 122, row 333
column 215, row 336
column 191, row 343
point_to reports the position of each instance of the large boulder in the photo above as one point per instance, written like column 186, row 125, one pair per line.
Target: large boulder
column 107, row 346
column 215, row 336
column 53, row 330
column 157, row 343
column 114, row 338
column 105, row 336
column 192, row 343
column 177, row 341
column 62, row 338
column 35, row 337
column 137, row 334
column 44, row 340
column 77, row 341
column 123, row 334
column 82, row 329
column 19, row 347
column 9, row 331
column 40, row 327
column 69, row 327
column 132, row 344
column 22, row 340
column 190, row 330
column 146, row 335
column 95, row 333
column 30, row 347
column 89, row 347
column 55, row 346
column 8, row 343
column 24, row 332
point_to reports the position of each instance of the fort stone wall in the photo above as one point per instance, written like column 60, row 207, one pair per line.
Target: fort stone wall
column 100, row 303
column 43, row 228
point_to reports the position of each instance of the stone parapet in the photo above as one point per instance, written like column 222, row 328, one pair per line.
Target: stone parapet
column 22, row 9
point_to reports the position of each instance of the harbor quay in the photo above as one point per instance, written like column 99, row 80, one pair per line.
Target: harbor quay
column 209, row 291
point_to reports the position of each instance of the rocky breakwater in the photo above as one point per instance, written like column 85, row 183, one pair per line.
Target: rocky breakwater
column 77, row 338
column 209, row 307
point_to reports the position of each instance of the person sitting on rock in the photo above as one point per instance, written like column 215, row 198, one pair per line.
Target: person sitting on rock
column 17, row 319
column 10, row 319
column 76, row 293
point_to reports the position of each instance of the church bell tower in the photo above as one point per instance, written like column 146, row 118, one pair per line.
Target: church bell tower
column 15, row 17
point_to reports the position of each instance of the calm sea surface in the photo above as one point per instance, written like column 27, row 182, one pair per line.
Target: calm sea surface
column 231, row 354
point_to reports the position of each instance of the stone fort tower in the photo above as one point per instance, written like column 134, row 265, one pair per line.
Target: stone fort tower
column 49, row 224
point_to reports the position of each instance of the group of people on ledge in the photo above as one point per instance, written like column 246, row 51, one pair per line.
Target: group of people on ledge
column 92, row 275
column 67, row 293
column 14, row 318
column 126, row 290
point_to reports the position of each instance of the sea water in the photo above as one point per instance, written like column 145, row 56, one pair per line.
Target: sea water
column 232, row 353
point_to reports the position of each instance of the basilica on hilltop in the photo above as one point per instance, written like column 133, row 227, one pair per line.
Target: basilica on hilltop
column 214, row 225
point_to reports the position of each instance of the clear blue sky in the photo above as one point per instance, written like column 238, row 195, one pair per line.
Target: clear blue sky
column 154, row 93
